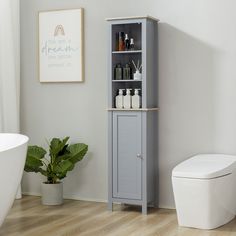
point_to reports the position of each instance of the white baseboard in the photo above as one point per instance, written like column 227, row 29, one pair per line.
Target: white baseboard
column 69, row 196
column 166, row 207
column 75, row 197
column 32, row 194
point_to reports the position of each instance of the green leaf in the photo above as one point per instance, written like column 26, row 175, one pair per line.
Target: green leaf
column 63, row 167
column 57, row 146
column 33, row 159
column 36, row 152
column 31, row 169
column 77, row 152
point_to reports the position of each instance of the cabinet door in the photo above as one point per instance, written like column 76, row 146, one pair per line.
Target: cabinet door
column 127, row 160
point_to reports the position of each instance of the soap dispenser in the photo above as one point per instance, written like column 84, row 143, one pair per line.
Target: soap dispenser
column 127, row 99
column 120, row 99
column 136, row 99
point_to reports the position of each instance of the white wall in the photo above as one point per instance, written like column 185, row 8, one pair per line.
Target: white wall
column 197, row 87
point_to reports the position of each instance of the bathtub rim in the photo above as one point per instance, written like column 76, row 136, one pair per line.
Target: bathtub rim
column 25, row 140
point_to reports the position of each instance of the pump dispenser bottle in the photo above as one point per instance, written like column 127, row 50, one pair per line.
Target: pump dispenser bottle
column 120, row 99
column 136, row 99
column 127, row 99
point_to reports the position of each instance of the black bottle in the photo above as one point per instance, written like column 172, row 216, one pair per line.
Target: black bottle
column 127, row 42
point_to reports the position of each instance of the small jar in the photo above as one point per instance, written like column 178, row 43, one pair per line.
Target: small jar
column 132, row 44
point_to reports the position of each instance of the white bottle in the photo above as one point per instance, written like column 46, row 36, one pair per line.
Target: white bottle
column 127, row 99
column 136, row 99
column 137, row 75
column 120, row 99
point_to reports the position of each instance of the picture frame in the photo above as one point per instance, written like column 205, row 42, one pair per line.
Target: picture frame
column 61, row 45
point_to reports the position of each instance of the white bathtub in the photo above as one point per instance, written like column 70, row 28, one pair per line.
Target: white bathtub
column 13, row 148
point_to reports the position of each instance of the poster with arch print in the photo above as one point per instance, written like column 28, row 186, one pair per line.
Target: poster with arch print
column 61, row 46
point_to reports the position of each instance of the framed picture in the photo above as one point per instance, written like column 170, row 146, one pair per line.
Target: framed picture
column 61, row 46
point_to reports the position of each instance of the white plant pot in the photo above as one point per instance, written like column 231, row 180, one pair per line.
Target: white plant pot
column 52, row 194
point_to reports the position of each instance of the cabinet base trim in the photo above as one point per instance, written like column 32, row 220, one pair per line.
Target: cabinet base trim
column 140, row 109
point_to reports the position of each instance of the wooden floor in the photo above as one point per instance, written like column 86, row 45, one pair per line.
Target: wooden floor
column 77, row 218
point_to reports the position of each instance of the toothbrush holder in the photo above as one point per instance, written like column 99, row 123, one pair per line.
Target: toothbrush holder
column 137, row 75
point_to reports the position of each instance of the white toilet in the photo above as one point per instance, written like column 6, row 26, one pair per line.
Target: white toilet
column 205, row 190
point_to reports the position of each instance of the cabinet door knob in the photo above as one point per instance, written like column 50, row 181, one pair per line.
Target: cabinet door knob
column 139, row 156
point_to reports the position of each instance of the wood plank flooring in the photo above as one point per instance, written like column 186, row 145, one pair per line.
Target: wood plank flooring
column 78, row 218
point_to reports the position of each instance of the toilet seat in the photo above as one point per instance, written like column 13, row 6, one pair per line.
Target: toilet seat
column 207, row 166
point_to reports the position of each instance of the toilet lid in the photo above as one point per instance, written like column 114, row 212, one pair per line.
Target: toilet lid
column 205, row 166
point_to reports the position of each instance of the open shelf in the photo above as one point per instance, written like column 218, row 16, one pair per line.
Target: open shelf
column 125, row 84
column 125, row 81
column 127, row 52
column 134, row 30
column 123, row 59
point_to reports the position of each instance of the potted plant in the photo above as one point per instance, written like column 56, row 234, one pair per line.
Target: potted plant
column 62, row 158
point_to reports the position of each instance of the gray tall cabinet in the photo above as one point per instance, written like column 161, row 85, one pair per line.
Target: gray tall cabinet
column 132, row 153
